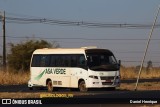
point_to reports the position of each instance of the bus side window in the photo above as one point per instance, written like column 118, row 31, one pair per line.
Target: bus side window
column 36, row 61
column 45, row 61
column 63, row 64
column 42, row 63
column 57, row 61
column 53, row 61
column 73, row 61
column 81, row 61
column 67, row 61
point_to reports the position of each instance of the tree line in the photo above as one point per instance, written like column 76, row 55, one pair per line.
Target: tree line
column 19, row 56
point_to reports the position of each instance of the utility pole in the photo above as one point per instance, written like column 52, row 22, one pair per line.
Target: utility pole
column 4, row 41
column 146, row 49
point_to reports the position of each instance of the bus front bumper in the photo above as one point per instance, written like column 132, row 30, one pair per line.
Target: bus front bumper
column 104, row 84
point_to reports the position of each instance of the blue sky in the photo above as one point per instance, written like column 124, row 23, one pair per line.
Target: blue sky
column 102, row 11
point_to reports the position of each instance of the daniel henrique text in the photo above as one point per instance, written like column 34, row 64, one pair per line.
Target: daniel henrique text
column 143, row 102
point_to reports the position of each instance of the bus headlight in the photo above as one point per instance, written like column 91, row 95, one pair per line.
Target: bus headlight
column 94, row 77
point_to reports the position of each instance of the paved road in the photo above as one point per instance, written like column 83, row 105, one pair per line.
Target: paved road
column 93, row 93
column 24, row 88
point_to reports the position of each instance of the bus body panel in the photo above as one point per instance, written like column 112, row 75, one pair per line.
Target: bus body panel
column 76, row 75
column 60, row 76
column 69, row 79
column 70, row 76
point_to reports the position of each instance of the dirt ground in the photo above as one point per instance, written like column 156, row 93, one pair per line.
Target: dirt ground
column 141, row 86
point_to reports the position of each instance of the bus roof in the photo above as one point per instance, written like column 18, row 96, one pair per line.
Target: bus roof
column 68, row 50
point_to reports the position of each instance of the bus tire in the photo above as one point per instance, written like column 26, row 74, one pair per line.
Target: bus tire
column 82, row 86
column 49, row 86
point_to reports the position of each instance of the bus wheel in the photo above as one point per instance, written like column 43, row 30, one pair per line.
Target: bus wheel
column 49, row 86
column 82, row 86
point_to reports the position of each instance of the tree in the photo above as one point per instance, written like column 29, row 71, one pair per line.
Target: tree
column 137, row 68
column 149, row 65
column 20, row 54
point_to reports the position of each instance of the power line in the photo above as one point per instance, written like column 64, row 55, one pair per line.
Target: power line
column 21, row 15
column 96, row 39
column 75, row 23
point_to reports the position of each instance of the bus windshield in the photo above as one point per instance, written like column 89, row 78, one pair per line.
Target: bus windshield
column 102, row 62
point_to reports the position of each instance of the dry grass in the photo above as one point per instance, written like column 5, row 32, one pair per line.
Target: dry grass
column 126, row 73
column 131, row 73
column 12, row 78
column 141, row 86
column 19, row 95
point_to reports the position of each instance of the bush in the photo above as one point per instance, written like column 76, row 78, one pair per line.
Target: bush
column 20, row 54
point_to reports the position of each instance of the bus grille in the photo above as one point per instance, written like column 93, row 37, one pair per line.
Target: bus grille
column 107, row 78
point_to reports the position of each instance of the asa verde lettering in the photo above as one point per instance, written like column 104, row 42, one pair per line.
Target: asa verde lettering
column 55, row 71
column 51, row 71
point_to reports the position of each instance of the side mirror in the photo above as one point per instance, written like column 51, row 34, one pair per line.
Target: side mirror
column 119, row 62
